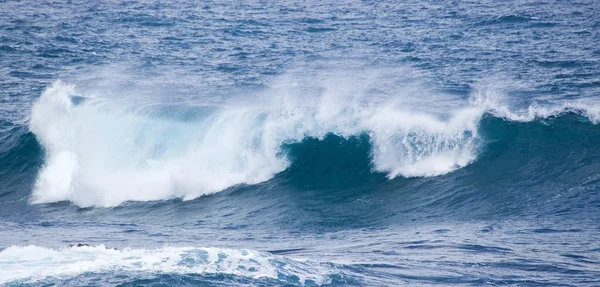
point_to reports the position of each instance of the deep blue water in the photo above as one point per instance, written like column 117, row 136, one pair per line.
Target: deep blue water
column 255, row 143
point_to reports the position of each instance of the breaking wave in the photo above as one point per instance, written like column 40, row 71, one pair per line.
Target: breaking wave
column 102, row 153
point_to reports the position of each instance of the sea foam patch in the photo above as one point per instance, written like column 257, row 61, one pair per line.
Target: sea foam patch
column 33, row 263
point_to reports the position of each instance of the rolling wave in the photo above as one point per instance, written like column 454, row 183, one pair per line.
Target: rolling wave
column 98, row 153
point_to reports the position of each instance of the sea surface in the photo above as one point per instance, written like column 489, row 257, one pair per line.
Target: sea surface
column 300, row 143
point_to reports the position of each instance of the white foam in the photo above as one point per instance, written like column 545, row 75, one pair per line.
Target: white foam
column 99, row 154
column 491, row 101
column 103, row 154
column 33, row 263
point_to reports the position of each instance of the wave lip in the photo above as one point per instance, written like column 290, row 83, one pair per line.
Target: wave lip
column 29, row 264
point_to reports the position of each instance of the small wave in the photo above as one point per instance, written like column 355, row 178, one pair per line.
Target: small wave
column 508, row 19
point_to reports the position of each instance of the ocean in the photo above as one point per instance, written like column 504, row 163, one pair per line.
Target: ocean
column 299, row 143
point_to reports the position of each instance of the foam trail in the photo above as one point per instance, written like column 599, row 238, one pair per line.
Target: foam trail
column 33, row 263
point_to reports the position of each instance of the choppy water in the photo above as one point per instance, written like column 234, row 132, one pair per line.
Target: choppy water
column 349, row 143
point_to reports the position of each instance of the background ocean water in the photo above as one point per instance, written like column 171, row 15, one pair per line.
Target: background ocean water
column 254, row 143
